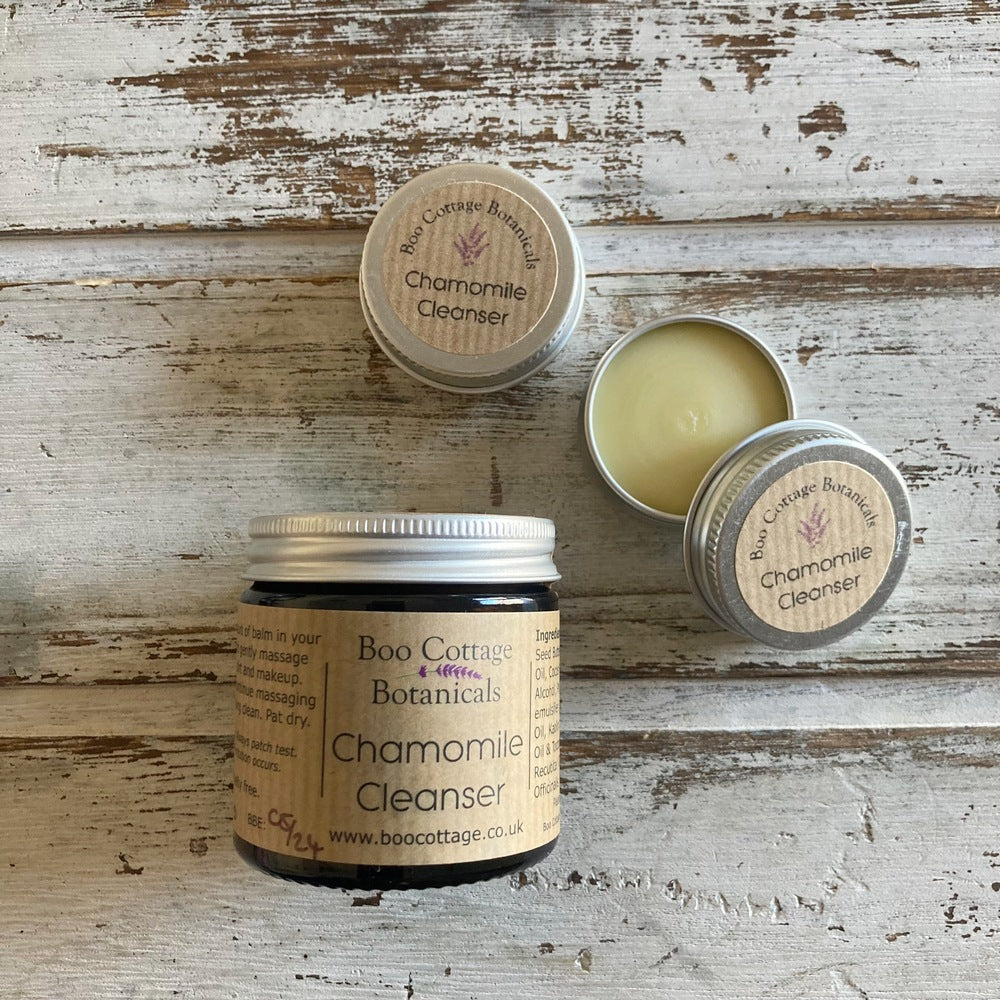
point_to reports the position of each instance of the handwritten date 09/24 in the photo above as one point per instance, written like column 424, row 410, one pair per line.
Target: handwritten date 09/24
column 295, row 839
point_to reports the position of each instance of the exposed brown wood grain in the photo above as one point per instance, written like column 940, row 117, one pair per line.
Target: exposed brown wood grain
column 232, row 117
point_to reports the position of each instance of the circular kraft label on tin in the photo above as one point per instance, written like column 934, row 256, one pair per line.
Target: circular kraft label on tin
column 815, row 546
column 470, row 268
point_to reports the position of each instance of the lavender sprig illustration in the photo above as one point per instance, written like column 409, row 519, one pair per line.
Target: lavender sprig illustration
column 470, row 248
column 813, row 529
column 452, row 671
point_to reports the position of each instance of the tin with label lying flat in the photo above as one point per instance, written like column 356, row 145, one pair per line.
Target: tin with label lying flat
column 471, row 278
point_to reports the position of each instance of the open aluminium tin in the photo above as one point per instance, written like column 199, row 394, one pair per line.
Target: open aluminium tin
column 670, row 397
column 795, row 530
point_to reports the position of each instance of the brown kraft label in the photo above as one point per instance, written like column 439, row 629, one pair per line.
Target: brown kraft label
column 470, row 268
column 815, row 546
column 390, row 738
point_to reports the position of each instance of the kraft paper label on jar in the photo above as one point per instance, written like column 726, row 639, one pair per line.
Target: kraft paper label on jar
column 470, row 268
column 815, row 546
column 385, row 738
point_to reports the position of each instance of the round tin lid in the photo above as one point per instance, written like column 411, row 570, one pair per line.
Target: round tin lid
column 798, row 535
column 397, row 547
column 471, row 277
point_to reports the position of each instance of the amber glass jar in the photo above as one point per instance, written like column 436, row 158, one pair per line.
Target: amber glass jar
column 397, row 704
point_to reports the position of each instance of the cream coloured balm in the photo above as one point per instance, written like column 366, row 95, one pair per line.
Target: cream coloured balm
column 669, row 398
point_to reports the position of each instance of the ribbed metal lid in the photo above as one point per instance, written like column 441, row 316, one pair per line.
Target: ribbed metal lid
column 399, row 547
column 798, row 535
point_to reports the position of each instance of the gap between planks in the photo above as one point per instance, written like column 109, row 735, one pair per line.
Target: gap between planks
column 106, row 260
column 807, row 704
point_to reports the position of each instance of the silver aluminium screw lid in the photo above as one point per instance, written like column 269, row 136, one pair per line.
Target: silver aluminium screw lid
column 399, row 547
column 471, row 278
column 798, row 535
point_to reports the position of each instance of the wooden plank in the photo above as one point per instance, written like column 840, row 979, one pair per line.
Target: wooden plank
column 158, row 114
column 145, row 419
column 774, row 865
column 619, row 636
column 871, row 701
column 650, row 249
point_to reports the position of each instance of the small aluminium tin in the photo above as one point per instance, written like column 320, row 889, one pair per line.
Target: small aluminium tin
column 795, row 531
column 471, row 278
column 798, row 535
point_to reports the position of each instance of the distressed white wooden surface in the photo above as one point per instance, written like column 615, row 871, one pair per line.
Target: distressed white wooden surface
column 189, row 113
column 194, row 708
column 782, row 865
column 150, row 416
column 739, row 823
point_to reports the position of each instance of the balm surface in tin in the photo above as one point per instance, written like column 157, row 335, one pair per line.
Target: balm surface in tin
column 669, row 398
column 471, row 278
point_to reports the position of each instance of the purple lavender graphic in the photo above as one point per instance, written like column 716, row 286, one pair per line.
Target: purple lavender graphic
column 451, row 670
column 470, row 248
column 813, row 529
